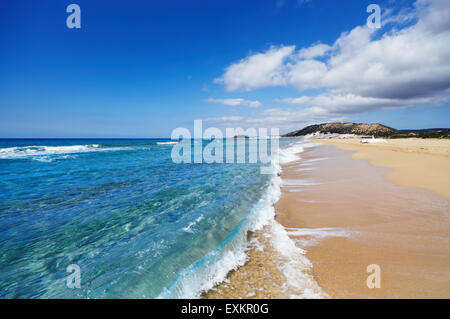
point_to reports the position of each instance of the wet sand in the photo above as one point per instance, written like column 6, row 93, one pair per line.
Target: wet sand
column 258, row 278
column 346, row 215
column 415, row 162
column 268, row 273
column 404, row 230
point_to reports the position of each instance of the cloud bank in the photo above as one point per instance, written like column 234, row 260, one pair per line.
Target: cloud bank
column 363, row 70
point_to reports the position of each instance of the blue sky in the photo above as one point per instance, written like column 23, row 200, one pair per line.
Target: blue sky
column 143, row 68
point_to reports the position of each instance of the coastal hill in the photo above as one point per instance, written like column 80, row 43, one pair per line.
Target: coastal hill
column 346, row 128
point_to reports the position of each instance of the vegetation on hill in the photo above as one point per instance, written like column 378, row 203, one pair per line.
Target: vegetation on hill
column 377, row 130
column 346, row 128
column 437, row 133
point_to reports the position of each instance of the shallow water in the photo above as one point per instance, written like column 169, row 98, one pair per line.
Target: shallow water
column 137, row 224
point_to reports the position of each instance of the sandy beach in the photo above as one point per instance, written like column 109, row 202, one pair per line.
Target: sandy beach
column 423, row 163
column 356, row 205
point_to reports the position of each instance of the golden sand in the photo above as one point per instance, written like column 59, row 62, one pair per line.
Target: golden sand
column 349, row 216
column 263, row 276
column 404, row 230
column 258, row 278
column 416, row 162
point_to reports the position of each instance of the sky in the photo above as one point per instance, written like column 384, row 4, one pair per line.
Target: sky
column 143, row 68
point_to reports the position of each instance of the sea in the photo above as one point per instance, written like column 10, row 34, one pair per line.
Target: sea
column 133, row 222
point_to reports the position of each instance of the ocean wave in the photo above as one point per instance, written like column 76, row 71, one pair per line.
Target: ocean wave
column 166, row 143
column 230, row 254
column 294, row 265
column 188, row 228
column 291, row 153
column 44, row 153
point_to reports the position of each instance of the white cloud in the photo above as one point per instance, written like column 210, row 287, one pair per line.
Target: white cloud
column 258, row 70
column 322, row 108
column 297, row 100
column 363, row 70
column 409, row 63
column 235, row 102
column 307, row 74
column 289, row 119
column 351, row 103
column 314, row 51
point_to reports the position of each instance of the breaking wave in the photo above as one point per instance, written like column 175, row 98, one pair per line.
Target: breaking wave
column 47, row 153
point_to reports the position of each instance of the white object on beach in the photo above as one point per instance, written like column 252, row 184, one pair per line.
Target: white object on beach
column 325, row 136
column 373, row 140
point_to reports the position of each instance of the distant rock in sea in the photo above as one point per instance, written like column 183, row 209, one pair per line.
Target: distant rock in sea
column 346, row 128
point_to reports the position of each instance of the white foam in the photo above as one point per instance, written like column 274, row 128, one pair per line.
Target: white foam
column 230, row 254
column 42, row 152
column 308, row 144
column 290, row 153
column 295, row 266
column 166, row 143
column 295, row 190
column 188, row 228
column 305, row 169
column 298, row 182
column 210, row 270
column 311, row 201
column 42, row 159
column 314, row 235
column 315, row 160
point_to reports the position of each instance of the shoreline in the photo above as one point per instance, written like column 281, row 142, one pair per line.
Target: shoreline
column 351, row 216
column 344, row 214
column 276, row 268
column 413, row 161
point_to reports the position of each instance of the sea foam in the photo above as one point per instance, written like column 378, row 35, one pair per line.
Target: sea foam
column 230, row 254
column 42, row 152
column 166, row 143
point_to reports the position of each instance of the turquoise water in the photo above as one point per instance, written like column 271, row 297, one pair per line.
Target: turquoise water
column 137, row 224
